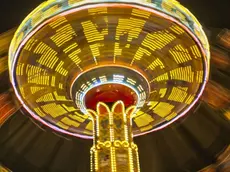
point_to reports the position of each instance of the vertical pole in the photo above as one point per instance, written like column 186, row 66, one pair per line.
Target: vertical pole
column 113, row 149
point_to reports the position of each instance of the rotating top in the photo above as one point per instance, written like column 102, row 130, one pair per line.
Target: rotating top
column 64, row 49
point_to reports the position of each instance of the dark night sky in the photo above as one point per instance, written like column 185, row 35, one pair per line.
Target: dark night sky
column 211, row 13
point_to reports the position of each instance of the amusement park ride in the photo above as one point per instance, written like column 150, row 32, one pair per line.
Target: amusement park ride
column 109, row 70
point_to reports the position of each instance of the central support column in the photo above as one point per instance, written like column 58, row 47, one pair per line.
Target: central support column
column 113, row 148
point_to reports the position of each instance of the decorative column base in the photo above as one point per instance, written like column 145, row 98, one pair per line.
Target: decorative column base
column 113, row 149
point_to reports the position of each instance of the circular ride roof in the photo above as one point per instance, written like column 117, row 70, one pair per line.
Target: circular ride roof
column 65, row 48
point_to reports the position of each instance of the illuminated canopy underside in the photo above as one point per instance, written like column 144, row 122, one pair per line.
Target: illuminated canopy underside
column 67, row 46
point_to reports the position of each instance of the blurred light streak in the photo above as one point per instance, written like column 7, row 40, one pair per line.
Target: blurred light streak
column 7, row 107
column 5, row 39
column 216, row 96
column 211, row 168
column 3, row 64
column 224, row 38
column 4, row 169
column 227, row 114
column 220, row 59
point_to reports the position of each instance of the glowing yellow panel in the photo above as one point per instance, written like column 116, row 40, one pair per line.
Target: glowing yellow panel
column 183, row 73
column 146, row 128
column 32, row 71
column 22, row 92
column 71, row 47
column 158, row 40
column 156, row 63
column 141, row 13
column 176, row 29
column 36, row 89
column 89, row 126
column 163, row 77
column 48, row 55
column 95, row 11
column 53, row 81
column 69, row 109
column 163, row 109
column 45, row 98
column 63, row 35
column 74, row 56
column 132, row 26
column 189, row 99
column 178, row 94
column 143, row 120
column 60, row 124
column 60, row 98
column 39, row 80
column 127, row 46
column 77, row 118
column 180, row 54
column 152, row 104
column 20, row 69
column 117, row 51
column 39, row 112
column 195, row 51
column 95, row 49
column 60, row 86
column 54, row 110
column 140, row 53
column 60, row 69
column 162, row 92
column 171, row 116
column 70, row 122
column 199, row 76
column 30, row 44
column 81, row 115
column 91, row 32
column 58, row 22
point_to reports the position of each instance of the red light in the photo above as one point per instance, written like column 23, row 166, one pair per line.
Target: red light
column 109, row 94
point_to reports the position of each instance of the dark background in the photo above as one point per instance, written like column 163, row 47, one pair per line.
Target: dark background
column 211, row 13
